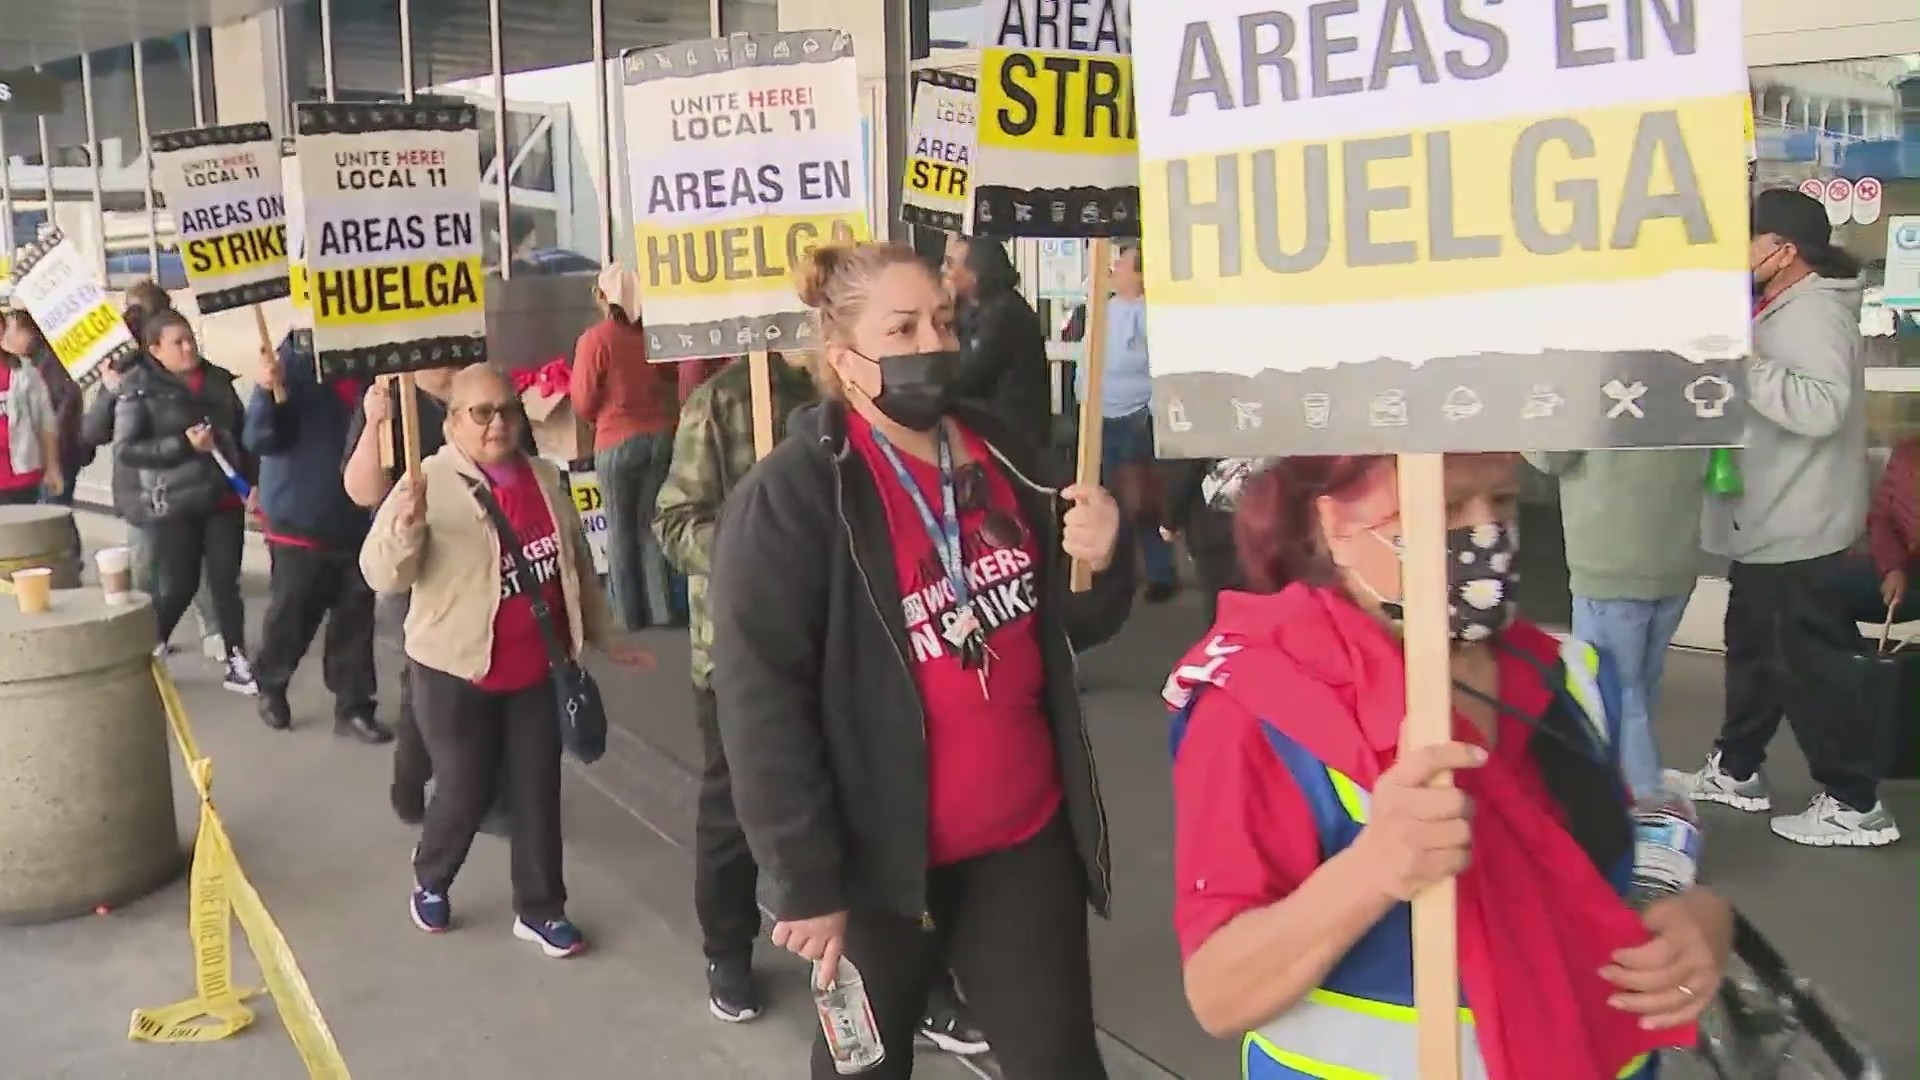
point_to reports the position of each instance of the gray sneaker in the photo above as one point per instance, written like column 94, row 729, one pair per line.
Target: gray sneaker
column 1828, row 822
column 1713, row 784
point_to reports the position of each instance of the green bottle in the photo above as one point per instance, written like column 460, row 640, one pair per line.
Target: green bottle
column 1723, row 472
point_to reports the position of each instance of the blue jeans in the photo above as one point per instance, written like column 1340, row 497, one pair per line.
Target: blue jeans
column 1635, row 635
column 630, row 476
column 1128, row 440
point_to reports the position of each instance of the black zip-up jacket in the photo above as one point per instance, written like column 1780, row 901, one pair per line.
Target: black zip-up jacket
column 820, row 717
column 157, row 473
column 1004, row 366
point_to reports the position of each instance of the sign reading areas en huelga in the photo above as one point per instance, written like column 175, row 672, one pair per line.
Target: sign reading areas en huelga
column 933, row 191
column 390, row 195
column 222, row 185
column 61, row 288
column 1057, row 153
column 1421, row 225
column 744, row 153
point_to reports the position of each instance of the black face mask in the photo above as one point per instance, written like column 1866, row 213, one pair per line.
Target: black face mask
column 916, row 389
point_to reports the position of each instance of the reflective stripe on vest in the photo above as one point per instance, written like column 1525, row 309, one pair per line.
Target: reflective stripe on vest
column 1334, row 1036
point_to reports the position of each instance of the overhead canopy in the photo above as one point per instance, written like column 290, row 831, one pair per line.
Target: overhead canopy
column 44, row 31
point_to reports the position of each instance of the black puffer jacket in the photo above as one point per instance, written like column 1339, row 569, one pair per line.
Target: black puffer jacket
column 1003, row 364
column 158, row 474
column 820, row 715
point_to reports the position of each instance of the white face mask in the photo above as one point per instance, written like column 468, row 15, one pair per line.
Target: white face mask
column 1482, row 579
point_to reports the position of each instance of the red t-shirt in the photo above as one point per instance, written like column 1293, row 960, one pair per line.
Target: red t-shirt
column 1244, row 836
column 992, row 781
column 519, row 660
column 10, row 480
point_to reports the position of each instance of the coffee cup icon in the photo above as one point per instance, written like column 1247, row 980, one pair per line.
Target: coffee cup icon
column 1318, row 409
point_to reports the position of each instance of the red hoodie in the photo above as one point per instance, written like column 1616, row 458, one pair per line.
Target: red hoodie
column 1537, row 920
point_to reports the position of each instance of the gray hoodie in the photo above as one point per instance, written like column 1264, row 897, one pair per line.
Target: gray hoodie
column 1804, row 465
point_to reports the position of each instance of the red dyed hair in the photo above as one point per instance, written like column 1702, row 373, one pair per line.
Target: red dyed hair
column 1276, row 530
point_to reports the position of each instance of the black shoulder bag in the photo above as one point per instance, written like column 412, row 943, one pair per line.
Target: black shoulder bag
column 583, row 717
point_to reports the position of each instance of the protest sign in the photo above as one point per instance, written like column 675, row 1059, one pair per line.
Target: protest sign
column 299, row 288
column 61, row 288
column 222, row 186
column 744, row 153
column 592, row 505
column 933, row 189
column 390, row 195
column 6, row 243
column 1402, row 228
column 1057, row 150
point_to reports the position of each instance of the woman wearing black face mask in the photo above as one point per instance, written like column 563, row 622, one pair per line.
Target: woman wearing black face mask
column 891, row 615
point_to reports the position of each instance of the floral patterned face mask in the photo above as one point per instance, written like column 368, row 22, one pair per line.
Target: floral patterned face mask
column 1482, row 579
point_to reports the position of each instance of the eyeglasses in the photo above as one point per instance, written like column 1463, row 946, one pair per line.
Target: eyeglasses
column 483, row 412
column 999, row 528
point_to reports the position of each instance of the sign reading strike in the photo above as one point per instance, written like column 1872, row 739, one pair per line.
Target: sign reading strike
column 940, row 152
column 1432, row 226
column 390, row 196
column 1057, row 147
column 222, row 185
column 745, row 153
column 61, row 288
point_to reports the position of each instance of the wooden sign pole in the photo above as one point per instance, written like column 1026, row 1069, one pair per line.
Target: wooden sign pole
column 409, row 426
column 1436, row 962
column 1093, row 359
column 266, row 342
column 760, row 373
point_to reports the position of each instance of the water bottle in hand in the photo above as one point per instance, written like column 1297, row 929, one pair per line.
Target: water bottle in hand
column 1667, row 840
column 853, row 1039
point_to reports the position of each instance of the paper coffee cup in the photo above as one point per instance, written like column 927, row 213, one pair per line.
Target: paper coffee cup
column 33, row 588
column 116, row 574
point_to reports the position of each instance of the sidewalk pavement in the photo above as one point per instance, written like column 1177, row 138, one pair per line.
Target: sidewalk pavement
column 309, row 818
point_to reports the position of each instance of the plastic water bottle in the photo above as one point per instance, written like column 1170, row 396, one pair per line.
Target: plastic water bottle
column 846, row 1015
column 1667, row 840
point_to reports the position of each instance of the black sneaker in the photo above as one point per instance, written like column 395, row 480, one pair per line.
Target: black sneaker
column 431, row 910
column 947, row 1027
column 274, row 710
column 239, row 676
column 364, row 727
column 732, row 995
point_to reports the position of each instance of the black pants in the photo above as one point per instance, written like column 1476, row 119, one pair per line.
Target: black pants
column 1014, row 925
column 182, row 544
column 478, row 740
column 308, row 586
column 1782, row 627
column 725, row 878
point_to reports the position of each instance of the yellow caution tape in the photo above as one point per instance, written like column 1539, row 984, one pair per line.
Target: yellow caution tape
column 219, row 888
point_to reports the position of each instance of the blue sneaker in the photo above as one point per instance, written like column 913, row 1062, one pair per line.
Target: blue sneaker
column 558, row 938
column 431, row 911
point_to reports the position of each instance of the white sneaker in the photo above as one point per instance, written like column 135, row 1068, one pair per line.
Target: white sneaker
column 213, row 648
column 1713, row 784
column 239, row 676
column 1828, row 822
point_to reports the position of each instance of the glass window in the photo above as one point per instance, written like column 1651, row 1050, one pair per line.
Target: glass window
column 749, row 16
column 1854, row 127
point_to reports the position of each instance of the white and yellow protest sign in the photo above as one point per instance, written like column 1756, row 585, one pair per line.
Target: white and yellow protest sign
column 744, row 153
column 6, row 246
column 1057, row 147
column 299, row 288
column 592, row 504
column 390, row 195
column 940, row 149
column 61, row 288
column 1409, row 226
column 222, row 186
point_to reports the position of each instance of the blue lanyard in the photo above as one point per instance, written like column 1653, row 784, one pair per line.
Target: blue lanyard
column 946, row 534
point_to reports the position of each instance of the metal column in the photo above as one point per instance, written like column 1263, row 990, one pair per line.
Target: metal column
column 93, row 160
column 328, row 85
column 193, row 68
column 46, row 161
column 146, row 156
column 605, row 192
column 502, row 160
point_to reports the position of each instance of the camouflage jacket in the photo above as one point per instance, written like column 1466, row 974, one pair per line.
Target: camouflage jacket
column 712, row 450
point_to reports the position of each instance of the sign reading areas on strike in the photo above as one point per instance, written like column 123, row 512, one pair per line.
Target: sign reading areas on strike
column 745, row 153
column 222, row 185
column 1423, row 226
column 940, row 152
column 390, row 195
column 1057, row 153
column 60, row 287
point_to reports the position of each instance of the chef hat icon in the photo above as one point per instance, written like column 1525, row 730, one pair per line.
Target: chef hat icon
column 1709, row 395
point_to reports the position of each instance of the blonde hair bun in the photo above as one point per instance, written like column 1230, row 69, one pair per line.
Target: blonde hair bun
column 816, row 271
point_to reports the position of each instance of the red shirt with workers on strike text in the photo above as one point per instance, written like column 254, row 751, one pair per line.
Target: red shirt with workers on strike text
column 519, row 660
column 992, row 780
